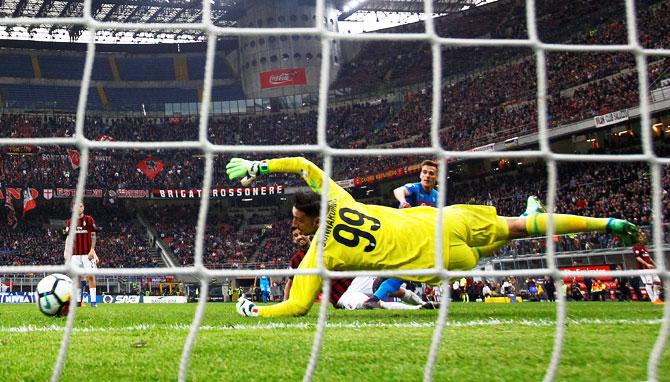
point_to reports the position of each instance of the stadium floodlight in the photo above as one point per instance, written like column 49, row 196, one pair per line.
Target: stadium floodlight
column 352, row 5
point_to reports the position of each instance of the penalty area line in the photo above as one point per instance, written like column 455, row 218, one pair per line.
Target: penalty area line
column 348, row 325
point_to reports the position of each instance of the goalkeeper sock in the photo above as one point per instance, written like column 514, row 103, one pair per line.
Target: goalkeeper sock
column 387, row 287
column 91, row 296
column 536, row 224
column 412, row 298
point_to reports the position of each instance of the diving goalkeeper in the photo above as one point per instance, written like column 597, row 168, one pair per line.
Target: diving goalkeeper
column 369, row 237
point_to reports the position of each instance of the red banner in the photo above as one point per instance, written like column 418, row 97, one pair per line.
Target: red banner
column 74, row 158
column 61, row 193
column 219, row 192
column 29, row 196
column 586, row 268
column 283, row 77
column 389, row 174
column 129, row 194
column 150, row 166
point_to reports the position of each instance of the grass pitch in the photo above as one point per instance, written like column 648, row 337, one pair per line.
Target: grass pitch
column 483, row 342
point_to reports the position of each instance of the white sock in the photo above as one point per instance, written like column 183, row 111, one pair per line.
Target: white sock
column 657, row 291
column 398, row 306
column 91, row 296
column 650, row 292
column 412, row 298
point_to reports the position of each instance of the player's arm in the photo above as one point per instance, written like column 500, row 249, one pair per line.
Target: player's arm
column 287, row 288
column 312, row 175
column 66, row 231
column 640, row 260
column 91, row 254
column 304, row 290
column 401, row 193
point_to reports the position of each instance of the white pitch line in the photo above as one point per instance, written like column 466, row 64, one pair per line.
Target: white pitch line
column 349, row 325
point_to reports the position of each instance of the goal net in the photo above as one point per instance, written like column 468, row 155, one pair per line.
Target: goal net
column 436, row 148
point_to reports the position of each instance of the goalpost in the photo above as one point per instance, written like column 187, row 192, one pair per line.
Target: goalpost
column 436, row 150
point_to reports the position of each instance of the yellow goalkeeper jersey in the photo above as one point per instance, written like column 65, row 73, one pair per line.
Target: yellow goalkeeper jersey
column 358, row 237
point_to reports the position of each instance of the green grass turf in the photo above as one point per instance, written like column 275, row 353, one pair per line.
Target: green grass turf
column 486, row 342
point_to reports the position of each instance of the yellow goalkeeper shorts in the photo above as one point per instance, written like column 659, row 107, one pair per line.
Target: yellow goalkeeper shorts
column 471, row 226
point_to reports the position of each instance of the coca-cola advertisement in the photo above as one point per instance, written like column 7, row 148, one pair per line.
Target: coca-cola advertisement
column 283, row 77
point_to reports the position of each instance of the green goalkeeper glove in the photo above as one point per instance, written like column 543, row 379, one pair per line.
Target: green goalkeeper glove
column 247, row 170
column 246, row 308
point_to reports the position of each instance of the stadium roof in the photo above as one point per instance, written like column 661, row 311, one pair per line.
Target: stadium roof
column 440, row 7
column 224, row 13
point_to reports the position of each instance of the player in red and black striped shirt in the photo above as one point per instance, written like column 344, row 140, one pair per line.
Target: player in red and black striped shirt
column 302, row 241
column 83, row 251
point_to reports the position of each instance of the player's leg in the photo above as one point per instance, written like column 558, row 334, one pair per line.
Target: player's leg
column 351, row 300
column 536, row 224
column 84, row 283
column 393, row 305
column 649, row 288
column 533, row 206
column 654, row 286
column 78, row 261
column 657, row 290
column 410, row 297
column 387, row 287
column 90, row 264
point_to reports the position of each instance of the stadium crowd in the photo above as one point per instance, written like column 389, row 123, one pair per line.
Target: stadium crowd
column 491, row 99
column 38, row 238
column 233, row 240
column 385, row 63
column 486, row 106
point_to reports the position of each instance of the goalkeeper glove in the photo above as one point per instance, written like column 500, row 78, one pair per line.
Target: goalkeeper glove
column 247, row 170
column 246, row 308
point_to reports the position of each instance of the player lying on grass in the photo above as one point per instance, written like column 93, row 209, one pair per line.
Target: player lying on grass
column 369, row 237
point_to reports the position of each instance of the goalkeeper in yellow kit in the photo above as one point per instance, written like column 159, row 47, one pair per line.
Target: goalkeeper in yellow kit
column 369, row 237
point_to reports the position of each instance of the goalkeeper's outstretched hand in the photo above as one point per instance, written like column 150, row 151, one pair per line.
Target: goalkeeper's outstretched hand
column 246, row 308
column 242, row 168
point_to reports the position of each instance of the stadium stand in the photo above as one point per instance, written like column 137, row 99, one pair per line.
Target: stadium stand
column 196, row 68
column 44, row 97
column 16, row 65
column 61, row 66
column 39, row 239
column 487, row 97
column 154, row 68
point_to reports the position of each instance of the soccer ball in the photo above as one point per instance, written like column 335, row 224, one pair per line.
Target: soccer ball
column 53, row 294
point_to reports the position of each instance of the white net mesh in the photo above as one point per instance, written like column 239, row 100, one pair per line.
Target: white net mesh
column 436, row 150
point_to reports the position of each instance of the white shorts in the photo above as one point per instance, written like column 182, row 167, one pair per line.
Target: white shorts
column 359, row 291
column 352, row 300
column 82, row 261
column 650, row 279
column 362, row 284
